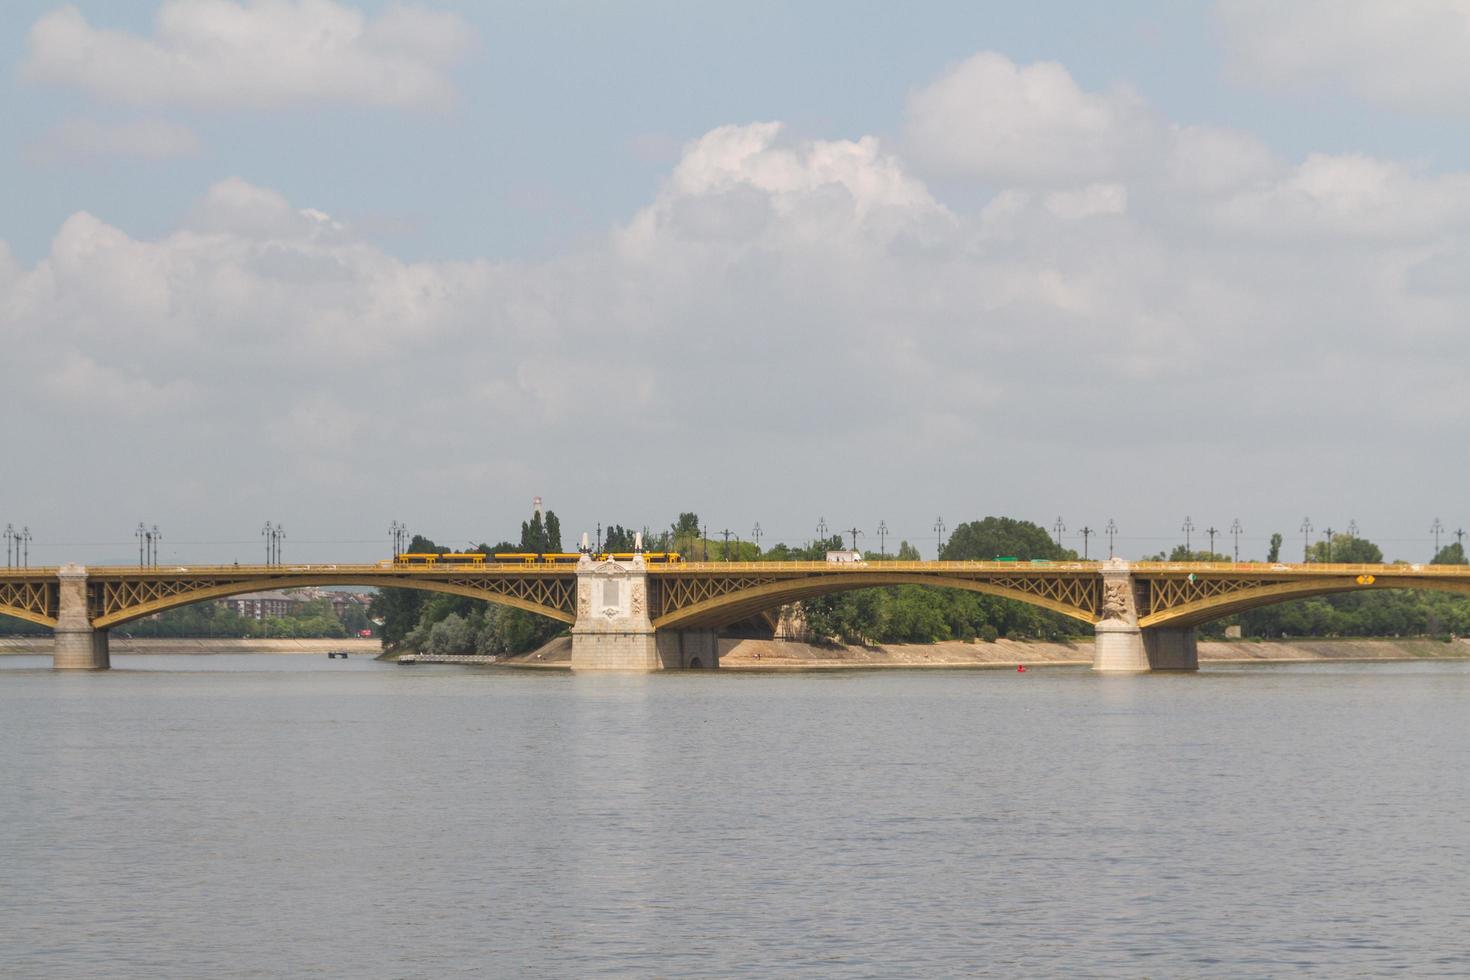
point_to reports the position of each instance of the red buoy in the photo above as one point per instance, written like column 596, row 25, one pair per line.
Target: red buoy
column 1020, row 668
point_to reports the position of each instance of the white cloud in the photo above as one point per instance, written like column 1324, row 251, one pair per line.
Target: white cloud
column 260, row 54
column 994, row 120
column 82, row 140
column 797, row 307
column 1406, row 54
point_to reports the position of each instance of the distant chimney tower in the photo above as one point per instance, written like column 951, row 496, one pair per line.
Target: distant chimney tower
column 536, row 505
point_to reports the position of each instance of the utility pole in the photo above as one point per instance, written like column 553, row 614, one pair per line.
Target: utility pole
column 1211, row 531
column 854, row 532
column 1112, row 531
column 1086, row 532
column 1306, row 530
column 1188, row 526
column 939, row 530
column 882, row 534
column 756, row 533
column 1435, row 529
column 1057, row 529
column 1235, row 530
column 1328, row 535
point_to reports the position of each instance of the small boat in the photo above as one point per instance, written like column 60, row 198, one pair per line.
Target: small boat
column 336, row 654
column 408, row 658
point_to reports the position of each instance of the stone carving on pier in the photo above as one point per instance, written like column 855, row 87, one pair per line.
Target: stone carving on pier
column 584, row 605
column 637, row 600
column 1115, row 600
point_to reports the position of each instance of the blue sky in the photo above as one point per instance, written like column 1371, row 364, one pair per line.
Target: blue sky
column 1212, row 267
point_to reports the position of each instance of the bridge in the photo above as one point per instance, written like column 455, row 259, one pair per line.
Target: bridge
column 628, row 615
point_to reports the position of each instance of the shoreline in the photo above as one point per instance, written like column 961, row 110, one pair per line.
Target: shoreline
column 41, row 645
column 778, row 655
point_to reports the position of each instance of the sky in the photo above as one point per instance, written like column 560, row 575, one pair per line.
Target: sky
column 335, row 264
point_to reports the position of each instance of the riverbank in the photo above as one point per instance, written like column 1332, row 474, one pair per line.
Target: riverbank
column 33, row 645
column 788, row 655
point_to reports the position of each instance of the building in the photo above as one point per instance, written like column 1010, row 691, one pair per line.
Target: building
column 263, row 605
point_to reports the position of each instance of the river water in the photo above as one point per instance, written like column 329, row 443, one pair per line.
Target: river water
column 249, row 816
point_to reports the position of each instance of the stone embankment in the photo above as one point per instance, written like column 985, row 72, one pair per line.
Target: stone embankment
column 776, row 655
column 41, row 645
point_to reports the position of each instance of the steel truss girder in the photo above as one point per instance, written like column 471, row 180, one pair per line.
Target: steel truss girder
column 116, row 599
column 34, row 600
column 705, row 599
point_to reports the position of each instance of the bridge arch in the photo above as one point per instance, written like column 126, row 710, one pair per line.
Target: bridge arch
column 556, row 600
column 1205, row 609
column 1077, row 599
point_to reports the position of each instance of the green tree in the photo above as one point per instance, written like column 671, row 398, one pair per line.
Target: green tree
column 1001, row 537
column 1274, row 555
column 1450, row 554
column 1347, row 549
column 907, row 552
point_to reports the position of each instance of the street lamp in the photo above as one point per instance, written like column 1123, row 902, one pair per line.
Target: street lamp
column 398, row 533
column 1328, row 535
column 25, row 540
column 142, row 535
column 1086, row 533
column 1306, row 530
column 1112, row 531
column 1188, row 526
column 1057, row 529
column 854, row 532
column 939, row 530
column 154, row 536
column 1211, row 531
column 756, row 533
column 268, row 534
column 1435, row 529
column 1235, row 532
column 9, row 541
column 882, row 535
column 1352, row 529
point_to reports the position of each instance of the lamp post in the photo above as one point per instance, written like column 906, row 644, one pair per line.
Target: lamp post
column 756, row 533
column 939, row 530
column 822, row 529
column 1112, row 531
column 398, row 533
column 154, row 536
column 725, row 552
column 854, row 532
column 1057, row 529
column 1435, row 529
column 1352, row 529
column 25, row 541
column 882, row 536
column 267, row 534
column 1235, row 530
column 1086, row 533
column 9, row 542
column 142, row 535
column 1211, row 531
column 1306, row 530
column 1327, row 534
column 1188, row 527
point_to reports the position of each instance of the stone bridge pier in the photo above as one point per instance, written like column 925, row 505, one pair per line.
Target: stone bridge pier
column 1121, row 646
column 75, row 644
column 613, row 630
